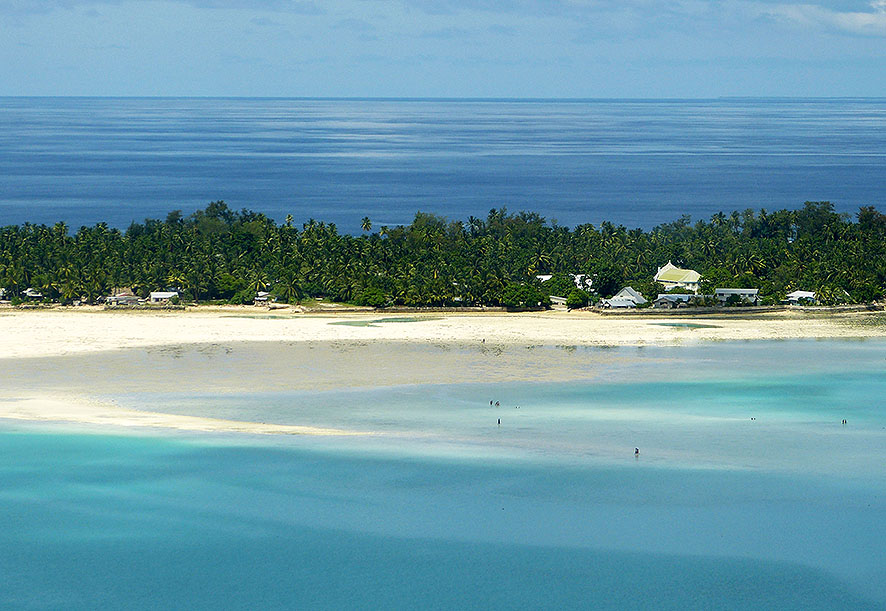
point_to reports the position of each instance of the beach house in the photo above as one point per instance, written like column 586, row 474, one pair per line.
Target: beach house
column 32, row 293
column 162, row 296
column 801, row 297
column 742, row 296
column 123, row 297
column 670, row 276
column 625, row 298
column 123, row 300
column 672, row 300
column 263, row 298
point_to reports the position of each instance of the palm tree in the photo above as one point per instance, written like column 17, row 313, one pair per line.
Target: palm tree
column 366, row 224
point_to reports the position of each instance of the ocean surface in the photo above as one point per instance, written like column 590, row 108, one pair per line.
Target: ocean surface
column 633, row 162
column 748, row 493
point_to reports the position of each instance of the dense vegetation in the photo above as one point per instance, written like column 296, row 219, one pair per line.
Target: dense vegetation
column 220, row 254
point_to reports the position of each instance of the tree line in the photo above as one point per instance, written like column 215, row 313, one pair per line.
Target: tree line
column 218, row 254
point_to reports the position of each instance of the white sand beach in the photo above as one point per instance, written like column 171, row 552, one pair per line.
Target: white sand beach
column 29, row 334
column 62, row 365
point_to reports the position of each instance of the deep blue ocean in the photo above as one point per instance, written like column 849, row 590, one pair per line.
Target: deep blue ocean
column 633, row 162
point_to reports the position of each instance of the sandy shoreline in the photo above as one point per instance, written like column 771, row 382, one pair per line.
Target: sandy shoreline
column 29, row 334
column 62, row 366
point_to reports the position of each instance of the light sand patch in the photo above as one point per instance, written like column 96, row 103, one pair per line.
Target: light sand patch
column 54, row 333
column 81, row 410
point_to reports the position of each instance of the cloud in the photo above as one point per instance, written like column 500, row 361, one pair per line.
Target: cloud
column 524, row 7
column 866, row 23
column 33, row 7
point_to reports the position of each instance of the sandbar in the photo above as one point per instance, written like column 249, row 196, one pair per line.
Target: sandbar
column 67, row 365
column 57, row 332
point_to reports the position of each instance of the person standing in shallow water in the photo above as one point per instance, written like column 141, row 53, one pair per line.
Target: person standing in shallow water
column 499, row 422
column 636, row 451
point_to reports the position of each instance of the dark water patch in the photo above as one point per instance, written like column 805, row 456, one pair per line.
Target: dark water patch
column 378, row 321
column 685, row 325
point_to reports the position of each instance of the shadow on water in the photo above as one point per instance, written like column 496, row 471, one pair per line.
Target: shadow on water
column 378, row 321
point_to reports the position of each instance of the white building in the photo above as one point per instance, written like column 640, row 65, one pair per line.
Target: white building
column 746, row 296
column 263, row 298
column 671, row 276
column 123, row 299
column 162, row 296
column 798, row 297
column 625, row 298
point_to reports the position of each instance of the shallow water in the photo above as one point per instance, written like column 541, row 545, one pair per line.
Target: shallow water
column 445, row 509
column 94, row 520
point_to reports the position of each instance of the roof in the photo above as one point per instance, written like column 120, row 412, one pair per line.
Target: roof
column 672, row 273
column 675, row 296
column 801, row 295
column 164, row 294
column 736, row 291
column 620, row 303
column 628, row 293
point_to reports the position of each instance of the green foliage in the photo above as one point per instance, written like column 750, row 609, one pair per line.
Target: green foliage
column 372, row 297
column 218, row 253
column 577, row 298
column 243, row 297
column 558, row 285
column 648, row 288
column 734, row 300
column 522, row 295
column 608, row 279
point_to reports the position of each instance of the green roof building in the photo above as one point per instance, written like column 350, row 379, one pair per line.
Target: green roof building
column 671, row 276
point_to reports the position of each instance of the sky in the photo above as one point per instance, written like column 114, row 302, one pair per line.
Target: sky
column 443, row 48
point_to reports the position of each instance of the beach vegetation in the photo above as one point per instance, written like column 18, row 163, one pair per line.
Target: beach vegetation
column 220, row 254
column 559, row 285
column 523, row 296
column 577, row 298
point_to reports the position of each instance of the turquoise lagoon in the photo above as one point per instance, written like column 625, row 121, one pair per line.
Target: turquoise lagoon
column 748, row 493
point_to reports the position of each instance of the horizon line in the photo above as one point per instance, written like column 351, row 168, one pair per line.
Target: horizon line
column 445, row 98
